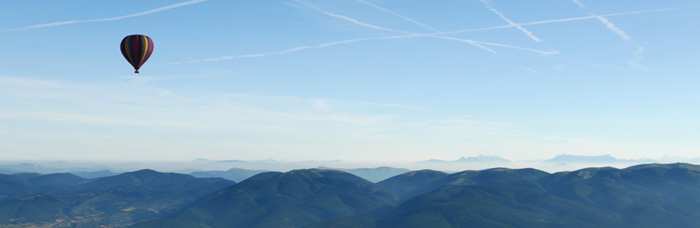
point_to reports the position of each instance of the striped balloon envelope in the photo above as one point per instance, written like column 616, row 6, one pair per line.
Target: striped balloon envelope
column 137, row 49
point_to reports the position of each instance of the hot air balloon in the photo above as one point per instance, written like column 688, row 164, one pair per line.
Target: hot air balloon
column 136, row 49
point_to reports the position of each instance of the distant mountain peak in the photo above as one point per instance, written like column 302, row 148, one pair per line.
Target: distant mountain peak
column 205, row 160
column 483, row 158
column 372, row 174
column 292, row 199
column 480, row 159
column 145, row 171
column 677, row 165
column 499, row 170
column 422, row 172
column 313, row 173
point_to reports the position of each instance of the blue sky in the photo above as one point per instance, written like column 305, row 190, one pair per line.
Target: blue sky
column 355, row 80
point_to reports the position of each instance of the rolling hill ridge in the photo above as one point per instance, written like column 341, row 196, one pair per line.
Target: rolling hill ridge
column 650, row 195
column 654, row 195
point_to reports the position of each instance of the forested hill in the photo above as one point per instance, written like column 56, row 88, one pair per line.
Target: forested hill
column 66, row 200
column 654, row 195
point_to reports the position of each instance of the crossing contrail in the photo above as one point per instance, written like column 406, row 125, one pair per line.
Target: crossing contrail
column 510, row 22
column 398, row 15
column 605, row 21
column 438, row 34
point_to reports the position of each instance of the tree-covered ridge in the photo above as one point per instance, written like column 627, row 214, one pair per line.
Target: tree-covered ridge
column 64, row 199
column 654, row 195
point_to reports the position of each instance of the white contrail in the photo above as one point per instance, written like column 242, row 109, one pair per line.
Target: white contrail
column 292, row 50
column 106, row 19
column 439, row 35
column 530, row 69
column 637, row 57
column 472, row 42
column 398, row 15
column 561, row 20
column 613, row 28
column 479, row 44
column 605, row 21
column 527, row 33
column 328, row 44
column 545, row 53
column 348, row 19
column 358, row 22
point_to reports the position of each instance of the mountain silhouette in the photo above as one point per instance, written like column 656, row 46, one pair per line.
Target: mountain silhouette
column 292, row 199
column 63, row 199
column 639, row 196
column 649, row 195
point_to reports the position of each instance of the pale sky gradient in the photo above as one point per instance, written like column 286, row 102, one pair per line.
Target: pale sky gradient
column 355, row 80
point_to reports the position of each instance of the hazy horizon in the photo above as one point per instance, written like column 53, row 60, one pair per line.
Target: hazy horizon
column 560, row 163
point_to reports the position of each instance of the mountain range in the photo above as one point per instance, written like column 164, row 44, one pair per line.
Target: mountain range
column 597, row 159
column 64, row 199
column 238, row 170
column 491, row 159
column 233, row 174
column 649, row 195
column 292, row 199
column 238, row 175
column 653, row 195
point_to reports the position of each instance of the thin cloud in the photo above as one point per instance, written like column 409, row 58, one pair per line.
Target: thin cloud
column 321, row 104
column 527, row 33
column 102, row 119
column 398, row 15
column 529, row 69
column 390, row 105
column 596, row 65
column 106, row 19
column 637, row 58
